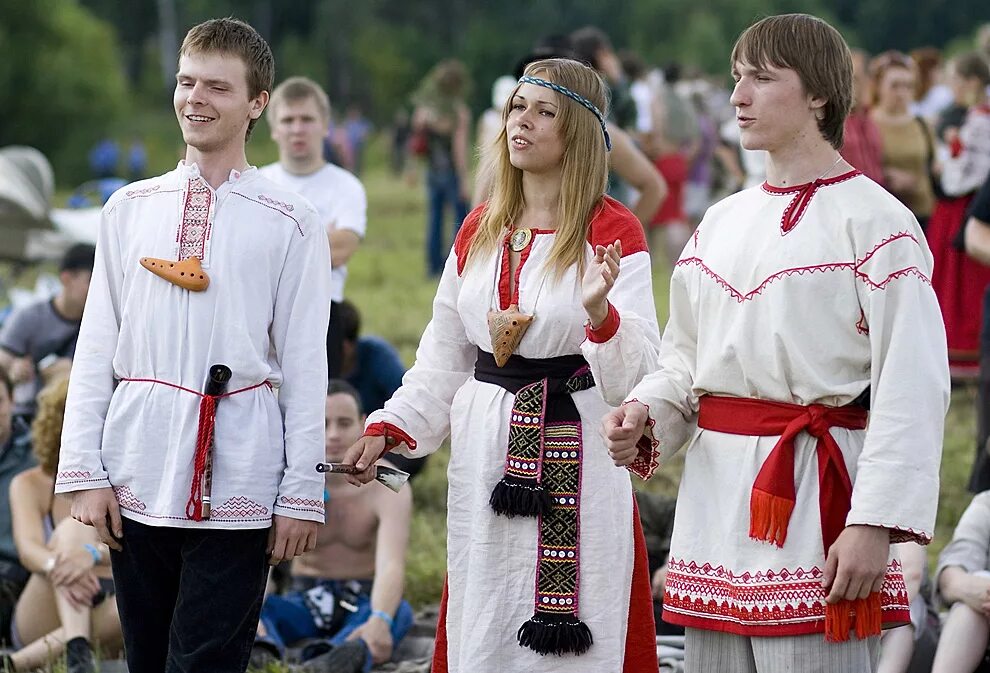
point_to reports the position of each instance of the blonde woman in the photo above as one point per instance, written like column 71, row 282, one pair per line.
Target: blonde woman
column 543, row 317
column 68, row 604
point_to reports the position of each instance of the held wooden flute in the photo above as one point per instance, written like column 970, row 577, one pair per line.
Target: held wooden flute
column 389, row 476
column 216, row 385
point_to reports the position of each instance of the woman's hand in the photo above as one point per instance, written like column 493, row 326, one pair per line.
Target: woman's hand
column 598, row 280
column 71, row 565
column 363, row 454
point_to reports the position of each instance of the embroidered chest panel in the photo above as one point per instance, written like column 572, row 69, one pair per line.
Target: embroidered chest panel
column 194, row 226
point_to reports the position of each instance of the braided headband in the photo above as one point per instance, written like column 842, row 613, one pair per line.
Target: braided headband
column 577, row 98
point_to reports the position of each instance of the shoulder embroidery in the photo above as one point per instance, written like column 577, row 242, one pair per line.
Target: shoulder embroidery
column 854, row 266
column 277, row 206
column 142, row 192
column 274, row 202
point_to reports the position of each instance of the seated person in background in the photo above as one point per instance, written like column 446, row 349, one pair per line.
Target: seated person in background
column 37, row 341
column 656, row 513
column 962, row 582
column 347, row 591
column 912, row 647
column 373, row 367
column 15, row 457
column 68, row 602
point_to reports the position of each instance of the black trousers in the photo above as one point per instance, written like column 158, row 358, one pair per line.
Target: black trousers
column 979, row 478
column 189, row 599
column 335, row 342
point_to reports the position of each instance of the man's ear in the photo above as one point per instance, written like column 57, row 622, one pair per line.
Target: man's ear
column 258, row 104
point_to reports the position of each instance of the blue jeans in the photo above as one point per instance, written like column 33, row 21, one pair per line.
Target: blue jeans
column 189, row 598
column 287, row 619
column 442, row 188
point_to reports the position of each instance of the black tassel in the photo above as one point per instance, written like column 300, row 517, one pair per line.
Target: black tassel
column 555, row 634
column 517, row 497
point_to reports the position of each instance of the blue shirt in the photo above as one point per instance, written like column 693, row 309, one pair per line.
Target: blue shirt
column 378, row 372
column 15, row 457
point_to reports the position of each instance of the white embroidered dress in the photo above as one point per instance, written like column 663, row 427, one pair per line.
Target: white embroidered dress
column 491, row 560
column 798, row 300
column 264, row 315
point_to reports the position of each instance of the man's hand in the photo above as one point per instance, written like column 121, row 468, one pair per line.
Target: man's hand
column 598, row 280
column 377, row 636
column 363, row 454
column 98, row 508
column 621, row 429
column 856, row 563
column 288, row 538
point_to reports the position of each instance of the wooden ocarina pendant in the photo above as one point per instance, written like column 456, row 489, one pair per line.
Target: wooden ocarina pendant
column 507, row 329
column 187, row 274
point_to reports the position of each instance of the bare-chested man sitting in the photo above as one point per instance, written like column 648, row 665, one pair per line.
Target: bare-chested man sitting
column 347, row 591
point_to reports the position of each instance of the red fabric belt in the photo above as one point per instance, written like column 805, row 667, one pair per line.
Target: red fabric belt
column 198, row 505
column 774, row 492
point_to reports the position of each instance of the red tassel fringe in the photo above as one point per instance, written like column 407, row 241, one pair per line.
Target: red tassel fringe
column 864, row 614
column 207, row 411
column 768, row 517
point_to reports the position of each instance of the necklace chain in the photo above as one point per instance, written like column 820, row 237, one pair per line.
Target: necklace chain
column 829, row 170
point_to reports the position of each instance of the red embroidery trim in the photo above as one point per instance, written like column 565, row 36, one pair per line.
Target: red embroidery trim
column 277, row 210
column 142, row 192
column 861, row 326
column 803, row 195
column 204, row 436
column 819, row 268
column 393, row 435
column 194, row 229
column 127, row 499
column 279, row 204
column 305, row 503
column 647, row 459
column 606, row 330
column 740, row 297
column 74, row 474
column 239, row 507
column 771, row 602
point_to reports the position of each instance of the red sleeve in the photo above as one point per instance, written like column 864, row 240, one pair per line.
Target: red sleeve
column 606, row 330
column 612, row 221
column 462, row 242
column 393, row 435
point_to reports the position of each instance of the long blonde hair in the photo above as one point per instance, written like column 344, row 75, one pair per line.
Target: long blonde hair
column 584, row 168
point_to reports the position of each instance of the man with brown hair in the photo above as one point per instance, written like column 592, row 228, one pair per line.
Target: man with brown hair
column 299, row 115
column 194, row 491
column 797, row 307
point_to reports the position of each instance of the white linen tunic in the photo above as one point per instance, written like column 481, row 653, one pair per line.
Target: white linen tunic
column 264, row 315
column 491, row 560
column 817, row 312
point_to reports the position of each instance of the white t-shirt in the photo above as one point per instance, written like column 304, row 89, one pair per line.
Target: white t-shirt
column 340, row 200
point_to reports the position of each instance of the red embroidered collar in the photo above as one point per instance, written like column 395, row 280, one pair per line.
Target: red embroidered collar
column 802, row 197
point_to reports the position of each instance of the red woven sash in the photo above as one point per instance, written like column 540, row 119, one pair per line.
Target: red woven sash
column 774, row 492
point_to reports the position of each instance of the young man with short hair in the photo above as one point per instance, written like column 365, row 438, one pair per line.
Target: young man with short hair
column 299, row 115
column 359, row 560
column 38, row 340
column 195, row 487
column 796, row 307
